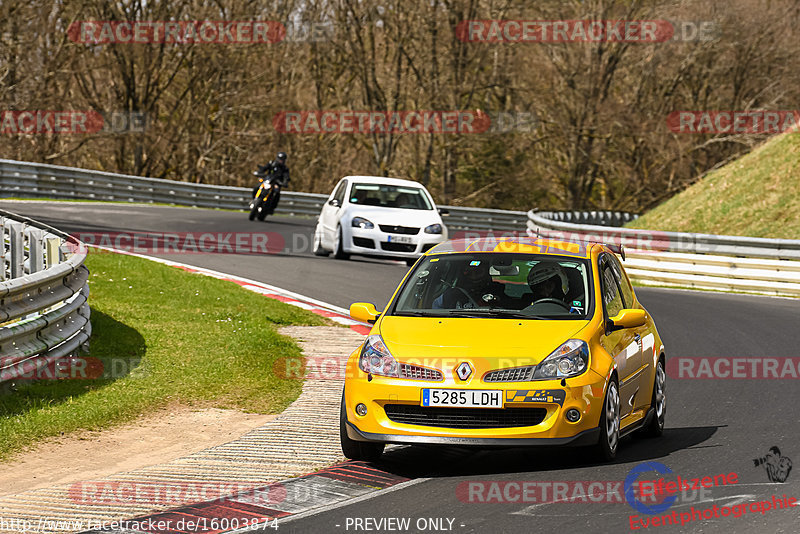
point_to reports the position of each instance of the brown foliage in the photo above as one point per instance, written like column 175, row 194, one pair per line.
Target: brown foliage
column 601, row 139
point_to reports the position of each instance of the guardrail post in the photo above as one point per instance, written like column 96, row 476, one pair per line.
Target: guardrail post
column 35, row 250
column 17, row 252
column 3, row 249
column 53, row 250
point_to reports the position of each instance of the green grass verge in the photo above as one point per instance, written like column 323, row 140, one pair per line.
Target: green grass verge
column 757, row 195
column 183, row 338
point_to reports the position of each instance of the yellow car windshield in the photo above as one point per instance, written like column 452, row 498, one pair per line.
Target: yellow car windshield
column 514, row 285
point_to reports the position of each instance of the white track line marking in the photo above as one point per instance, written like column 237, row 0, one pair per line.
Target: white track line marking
column 354, row 500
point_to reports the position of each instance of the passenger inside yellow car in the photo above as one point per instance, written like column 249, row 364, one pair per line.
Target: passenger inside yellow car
column 474, row 288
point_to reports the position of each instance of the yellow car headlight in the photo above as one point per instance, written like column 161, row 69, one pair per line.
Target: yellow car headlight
column 570, row 359
column 376, row 359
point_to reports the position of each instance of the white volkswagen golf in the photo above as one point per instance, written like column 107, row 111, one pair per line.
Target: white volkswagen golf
column 375, row 216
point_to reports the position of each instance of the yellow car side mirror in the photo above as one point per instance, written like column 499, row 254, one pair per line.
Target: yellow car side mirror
column 627, row 318
column 364, row 312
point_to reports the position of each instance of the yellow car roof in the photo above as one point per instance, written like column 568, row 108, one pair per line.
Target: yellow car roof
column 522, row 245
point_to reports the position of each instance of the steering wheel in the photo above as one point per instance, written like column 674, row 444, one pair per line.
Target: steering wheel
column 469, row 298
column 551, row 301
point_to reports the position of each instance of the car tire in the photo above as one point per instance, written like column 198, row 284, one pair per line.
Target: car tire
column 608, row 441
column 318, row 250
column 659, row 404
column 338, row 246
column 357, row 450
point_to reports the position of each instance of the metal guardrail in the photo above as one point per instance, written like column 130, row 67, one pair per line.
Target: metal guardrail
column 461, row 218
column 601, row 218
column 703, row 261
column 38, row 180
column 44, row 314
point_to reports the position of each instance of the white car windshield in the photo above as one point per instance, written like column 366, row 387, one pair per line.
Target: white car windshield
column 390, row 196
column 515, row 285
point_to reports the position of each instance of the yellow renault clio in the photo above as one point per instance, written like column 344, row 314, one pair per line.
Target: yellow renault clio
column 516, row 342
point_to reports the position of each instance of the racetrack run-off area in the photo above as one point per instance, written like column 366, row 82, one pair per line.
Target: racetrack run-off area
column 304, row 438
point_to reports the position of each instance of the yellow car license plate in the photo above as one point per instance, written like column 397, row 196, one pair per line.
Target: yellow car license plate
column 463, row 398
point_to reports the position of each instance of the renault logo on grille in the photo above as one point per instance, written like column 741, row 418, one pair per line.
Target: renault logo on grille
column 463, row 370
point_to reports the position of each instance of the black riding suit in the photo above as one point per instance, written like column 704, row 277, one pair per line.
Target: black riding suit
column 280, row 172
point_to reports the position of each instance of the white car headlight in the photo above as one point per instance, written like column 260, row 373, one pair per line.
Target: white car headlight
column 433, row 229
column 570, row 359
column 376, row 359
column 361, row 222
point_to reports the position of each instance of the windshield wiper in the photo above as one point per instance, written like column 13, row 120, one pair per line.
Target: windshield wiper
column 492, row 312
column 418, row 314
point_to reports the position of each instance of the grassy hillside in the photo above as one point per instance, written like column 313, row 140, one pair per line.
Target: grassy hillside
column 757, row 195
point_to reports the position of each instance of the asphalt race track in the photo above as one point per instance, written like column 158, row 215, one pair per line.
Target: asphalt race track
column 297, row 269
column 714, row 426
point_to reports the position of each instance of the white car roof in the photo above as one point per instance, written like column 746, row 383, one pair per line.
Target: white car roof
column 383, row 180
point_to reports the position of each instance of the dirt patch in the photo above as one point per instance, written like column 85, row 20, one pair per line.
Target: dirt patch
column 156, row 438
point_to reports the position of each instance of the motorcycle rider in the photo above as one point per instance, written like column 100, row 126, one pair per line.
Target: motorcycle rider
column 277, row 170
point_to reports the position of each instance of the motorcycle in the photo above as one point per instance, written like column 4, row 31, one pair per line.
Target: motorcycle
column 263, row 199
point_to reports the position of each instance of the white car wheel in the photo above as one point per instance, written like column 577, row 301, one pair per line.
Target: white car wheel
column 338, row 246
column 318, row 249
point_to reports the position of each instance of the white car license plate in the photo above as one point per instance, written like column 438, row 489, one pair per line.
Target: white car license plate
column 400, row 239
column 463, row 398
